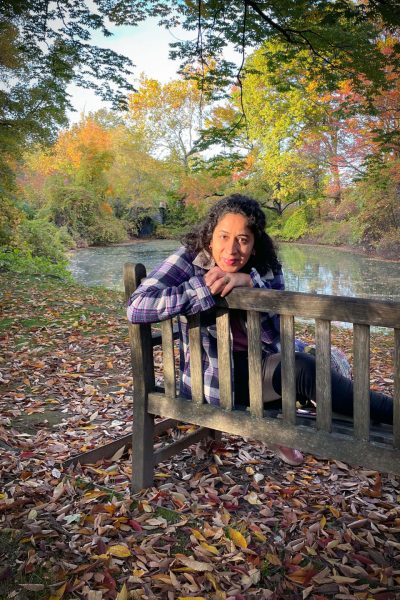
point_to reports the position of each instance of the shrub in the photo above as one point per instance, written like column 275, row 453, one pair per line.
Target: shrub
column 22, row 261
column 10, row 217
column 106, row 229
column 87, row 217
column 295, row 226
column 44, row 239
column 389, row 244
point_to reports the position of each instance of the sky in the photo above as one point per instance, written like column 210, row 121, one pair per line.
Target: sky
column 146, row 45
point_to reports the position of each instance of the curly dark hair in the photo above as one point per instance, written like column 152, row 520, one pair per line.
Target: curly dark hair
column 264, row 257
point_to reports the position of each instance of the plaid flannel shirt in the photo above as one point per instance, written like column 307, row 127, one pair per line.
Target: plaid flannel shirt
column 176, row 288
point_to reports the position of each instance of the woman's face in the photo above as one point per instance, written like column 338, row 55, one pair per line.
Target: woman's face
column 232, row 242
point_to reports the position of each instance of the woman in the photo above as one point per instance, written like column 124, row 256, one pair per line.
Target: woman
column 231, row 249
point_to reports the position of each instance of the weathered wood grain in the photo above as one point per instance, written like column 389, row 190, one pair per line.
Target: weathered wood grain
column 224, row 359
column 143, row 377
column 288, row 369
column 383, row 313
column 168, row 357
column 324, row 438
column 361, row 347
column 323, row 374
column 255, row 367
column 346, row 448
column 107, row 451
column 196, row 367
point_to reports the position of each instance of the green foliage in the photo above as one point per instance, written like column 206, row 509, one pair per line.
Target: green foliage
column 180, row 217
column 86, row 219
column 22, row 261
column 378, row 199
column 44, row 239
column 339, row 36
column 105, row 229
column 45, row 47
column 334, row 233
column 389, row 244
column 10, row 217
column 295, row 226
column 135, row 177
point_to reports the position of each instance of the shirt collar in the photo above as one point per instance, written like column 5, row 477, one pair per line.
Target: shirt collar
column 204, row 260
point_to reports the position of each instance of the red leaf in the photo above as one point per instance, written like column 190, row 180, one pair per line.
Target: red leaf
column 135, row 525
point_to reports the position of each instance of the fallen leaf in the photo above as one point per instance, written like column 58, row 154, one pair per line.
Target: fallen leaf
column 123, row 594
column 196, row 565
column 237, row 538
column 59, row 593
column 119, row 551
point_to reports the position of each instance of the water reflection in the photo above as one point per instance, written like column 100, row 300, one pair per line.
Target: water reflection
column 103, row 266
column 322, row 270
column 307, row 268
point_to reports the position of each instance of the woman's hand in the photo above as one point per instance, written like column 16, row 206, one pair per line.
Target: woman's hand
column 220, row 282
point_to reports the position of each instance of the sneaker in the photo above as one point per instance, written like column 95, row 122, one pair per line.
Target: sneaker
column 290, row 456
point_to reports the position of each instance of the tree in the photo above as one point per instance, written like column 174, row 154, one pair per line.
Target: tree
column 135, row 176
column 340, row 35
column 71, row 178
column 45, row 46
column 169, row 116
column 279, row 117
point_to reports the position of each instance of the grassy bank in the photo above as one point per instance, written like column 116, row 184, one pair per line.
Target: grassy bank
column 229, row 522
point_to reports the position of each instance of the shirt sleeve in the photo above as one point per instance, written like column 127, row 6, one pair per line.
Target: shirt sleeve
column 271, row 281
column 171, row 289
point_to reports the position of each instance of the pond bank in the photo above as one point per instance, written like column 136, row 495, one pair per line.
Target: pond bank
column 344, row 248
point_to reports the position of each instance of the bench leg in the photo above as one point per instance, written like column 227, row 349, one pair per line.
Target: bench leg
column 215, row 435
column 142, row 449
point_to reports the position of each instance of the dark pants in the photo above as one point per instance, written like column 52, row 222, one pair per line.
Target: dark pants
column 342, row 388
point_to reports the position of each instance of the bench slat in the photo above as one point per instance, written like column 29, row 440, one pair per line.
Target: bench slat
column 396, row 398
column 255, row 366
column 196, row 367
column 224, row 359
column 288, row 369
column 383, row 313
column 323, row 374
column 171, row 449
column 168, row 357
column 361, row 347
column 342, row 447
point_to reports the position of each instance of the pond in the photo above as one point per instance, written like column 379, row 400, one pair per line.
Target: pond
column 307, row 268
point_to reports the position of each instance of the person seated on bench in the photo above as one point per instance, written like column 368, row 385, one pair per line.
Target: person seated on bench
column 231, row 249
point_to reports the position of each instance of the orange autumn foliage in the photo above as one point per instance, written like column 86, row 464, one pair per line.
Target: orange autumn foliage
column 84, row 143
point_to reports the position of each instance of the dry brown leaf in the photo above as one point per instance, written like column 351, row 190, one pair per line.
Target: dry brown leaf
column 193, row 564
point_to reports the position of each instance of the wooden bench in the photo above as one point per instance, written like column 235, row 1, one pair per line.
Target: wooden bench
column 355, row 441
column 326, row 435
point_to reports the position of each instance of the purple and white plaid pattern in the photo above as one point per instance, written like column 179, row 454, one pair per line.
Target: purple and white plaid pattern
column 176, row 288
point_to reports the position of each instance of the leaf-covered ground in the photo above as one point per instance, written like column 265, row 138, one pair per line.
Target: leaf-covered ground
column 225, row 522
